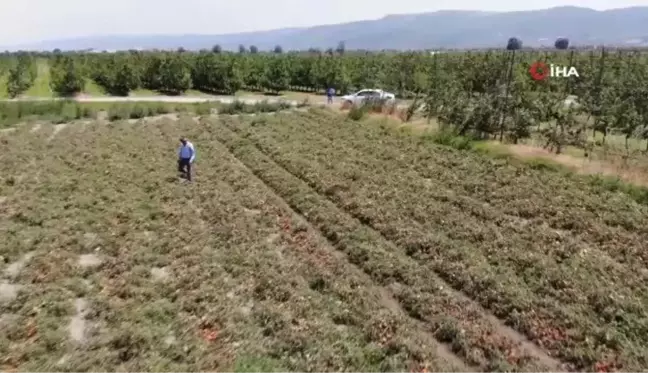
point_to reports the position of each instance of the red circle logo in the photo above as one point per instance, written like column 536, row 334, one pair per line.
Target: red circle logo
column 539, row 71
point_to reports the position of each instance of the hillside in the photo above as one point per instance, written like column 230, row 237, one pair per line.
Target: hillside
column 442, row 29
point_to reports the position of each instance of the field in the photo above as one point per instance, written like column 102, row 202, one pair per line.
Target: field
column 308, row 242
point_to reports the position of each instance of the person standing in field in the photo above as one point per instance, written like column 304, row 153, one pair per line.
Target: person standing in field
column 329, row 95
column 186, row 157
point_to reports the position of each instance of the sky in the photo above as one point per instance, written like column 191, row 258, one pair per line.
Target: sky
column 28, row 21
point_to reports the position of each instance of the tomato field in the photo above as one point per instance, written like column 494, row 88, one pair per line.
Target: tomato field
column 308, row 242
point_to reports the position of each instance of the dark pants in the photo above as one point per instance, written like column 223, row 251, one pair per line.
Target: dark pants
column 329, row 99
column 184, row 163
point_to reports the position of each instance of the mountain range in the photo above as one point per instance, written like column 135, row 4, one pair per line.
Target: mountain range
column 434, row 30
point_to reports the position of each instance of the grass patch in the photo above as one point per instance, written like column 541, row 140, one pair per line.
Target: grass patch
column 93, row 89
column 3, row 86
column 638, row 193
column 614, row 184
column 357, row 113
column 499, row 150
column 257, row 364
column 240, row 107
column 65, row 110
column 450, row 139
column 539, row 163
column 55, row 111
column 144, row 92
column 492, row 148
column 41, row 86
column 138, row 110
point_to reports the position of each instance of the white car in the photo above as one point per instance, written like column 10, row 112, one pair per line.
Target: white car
column 361, row 96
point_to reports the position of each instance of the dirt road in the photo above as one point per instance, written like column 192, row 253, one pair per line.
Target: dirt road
column 290, row 98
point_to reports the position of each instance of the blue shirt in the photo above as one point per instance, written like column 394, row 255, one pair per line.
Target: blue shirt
column 330, row 92
column 187, row 151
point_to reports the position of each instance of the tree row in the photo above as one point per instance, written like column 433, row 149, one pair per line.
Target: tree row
column 489, row 93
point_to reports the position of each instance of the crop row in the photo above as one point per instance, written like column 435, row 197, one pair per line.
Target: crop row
column 547, row 296
column 343, row 322
column 490, row 189
column 355, row 305
column 453, row 318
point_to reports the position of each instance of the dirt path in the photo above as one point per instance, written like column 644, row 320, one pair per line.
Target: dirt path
column 57, row 128
column 251, row 100
column 582, row 165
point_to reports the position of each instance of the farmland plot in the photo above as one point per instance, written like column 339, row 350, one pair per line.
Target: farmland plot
column 546, row 254
column 308, row 243
column 110, row 264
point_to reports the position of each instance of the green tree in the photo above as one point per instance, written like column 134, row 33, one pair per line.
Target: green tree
column 17, row 81
column 117, row 74
column 218, row 73
column 514, row 44
column 66, row 77
column 242, row 49
column 217, row 49
column 175, row 75
column 254, row 49
column 152, row 65
column 20, row 77
column 230, row 70
column 278, row 49
column 203, row 72
column 126, row 78
column 254, row 72
column 277, row 77
column 341, row 48
column 301, row 76
column 561, row 43
column 100, row 72
column 334, row 73
column 28, row 62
